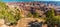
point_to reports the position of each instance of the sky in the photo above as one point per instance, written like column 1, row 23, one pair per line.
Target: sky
column 26, row 0
column 47, row 0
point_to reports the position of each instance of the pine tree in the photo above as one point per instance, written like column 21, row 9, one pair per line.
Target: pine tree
column 49, row 17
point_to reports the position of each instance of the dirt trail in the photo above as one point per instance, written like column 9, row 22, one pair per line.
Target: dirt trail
column 24, row 21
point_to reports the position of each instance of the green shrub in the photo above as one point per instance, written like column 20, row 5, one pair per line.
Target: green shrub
column 29, row 15
column 10, row 15
column 35, row 15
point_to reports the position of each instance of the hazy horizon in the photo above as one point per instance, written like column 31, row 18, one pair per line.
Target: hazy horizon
column 26, row 0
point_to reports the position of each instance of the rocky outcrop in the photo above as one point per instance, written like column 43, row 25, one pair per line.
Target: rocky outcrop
column 2, row 23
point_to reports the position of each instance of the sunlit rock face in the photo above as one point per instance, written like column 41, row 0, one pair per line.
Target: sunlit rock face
column 12, row 4
column 2, row 23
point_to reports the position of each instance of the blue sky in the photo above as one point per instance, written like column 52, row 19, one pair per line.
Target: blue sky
column 26, row 0
column 47, row 0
